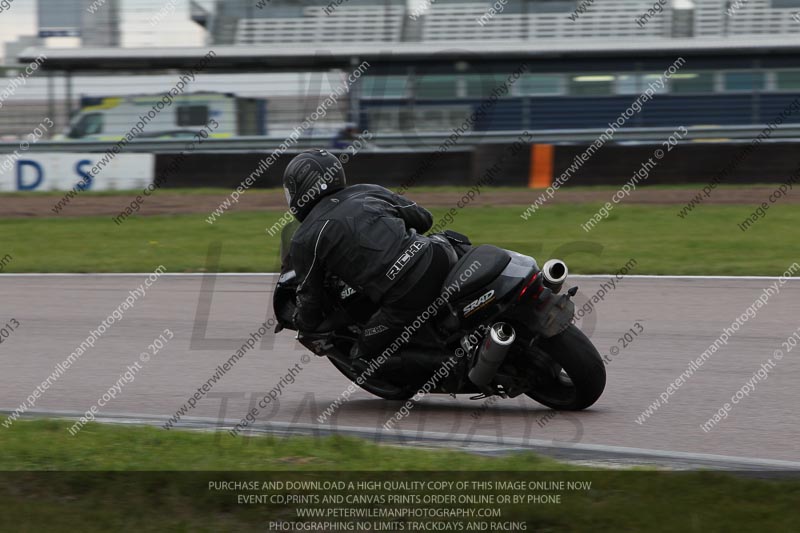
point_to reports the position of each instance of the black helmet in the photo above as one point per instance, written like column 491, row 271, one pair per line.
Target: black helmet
column 311, row 176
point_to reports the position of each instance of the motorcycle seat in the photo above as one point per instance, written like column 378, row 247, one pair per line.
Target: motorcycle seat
column 481, row 264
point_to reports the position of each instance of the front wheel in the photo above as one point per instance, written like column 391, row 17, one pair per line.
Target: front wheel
column 568, row 372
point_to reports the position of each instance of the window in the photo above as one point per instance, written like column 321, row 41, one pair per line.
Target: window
column 91, row 124
column 783, row 4
column 379, row 87
column 744, row 81
column 192, row 115
column 787, row 80
column 592, row 85
column 483, row 85
column 692, row 82
column 650, row 81
column 541, row 84
column 437, row 86
column 551, row 6
column 628, row 84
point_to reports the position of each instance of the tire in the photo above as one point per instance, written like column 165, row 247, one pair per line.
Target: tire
column 377, row 387
column 573, row 354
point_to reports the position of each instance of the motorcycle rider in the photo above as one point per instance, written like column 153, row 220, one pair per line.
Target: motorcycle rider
column 368, row 236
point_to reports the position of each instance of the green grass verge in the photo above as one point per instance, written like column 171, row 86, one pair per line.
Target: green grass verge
column 705, row 243
column 47, row 445
column 166, row 496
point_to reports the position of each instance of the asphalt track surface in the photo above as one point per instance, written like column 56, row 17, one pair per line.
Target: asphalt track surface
column 680, row 318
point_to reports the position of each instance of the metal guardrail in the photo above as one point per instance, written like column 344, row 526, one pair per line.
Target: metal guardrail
column 424, row 141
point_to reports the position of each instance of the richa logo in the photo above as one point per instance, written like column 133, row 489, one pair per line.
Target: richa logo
column 477, row 304
column 374, row 331
column 403, row 260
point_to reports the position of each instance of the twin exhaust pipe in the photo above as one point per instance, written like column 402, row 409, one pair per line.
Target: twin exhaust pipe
column 555, row 273
column 494, row 349
column 492, row 353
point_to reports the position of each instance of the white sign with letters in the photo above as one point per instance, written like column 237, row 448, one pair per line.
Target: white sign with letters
column 63, row 171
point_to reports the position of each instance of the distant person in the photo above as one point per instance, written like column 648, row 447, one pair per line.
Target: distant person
column 345, row 137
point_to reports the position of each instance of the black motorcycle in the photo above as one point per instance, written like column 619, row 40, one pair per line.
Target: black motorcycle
column 505, row 329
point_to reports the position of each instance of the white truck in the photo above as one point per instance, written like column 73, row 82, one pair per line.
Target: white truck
column 111, row 118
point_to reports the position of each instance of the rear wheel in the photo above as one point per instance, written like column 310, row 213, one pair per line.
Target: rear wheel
column 568, row 372
column 373, row 385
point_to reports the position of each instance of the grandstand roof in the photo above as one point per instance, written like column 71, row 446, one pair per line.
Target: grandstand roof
column 294, row 58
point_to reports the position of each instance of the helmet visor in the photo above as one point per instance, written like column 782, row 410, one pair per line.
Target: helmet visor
column 288, row 196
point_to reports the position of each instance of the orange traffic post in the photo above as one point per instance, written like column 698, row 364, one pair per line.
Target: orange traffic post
column 541, row 169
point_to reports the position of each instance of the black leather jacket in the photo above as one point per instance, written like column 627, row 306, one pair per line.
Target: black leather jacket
column 366, row 235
